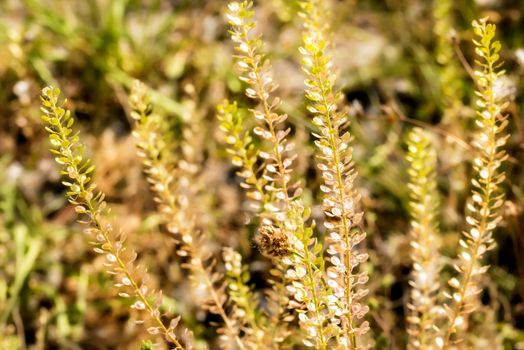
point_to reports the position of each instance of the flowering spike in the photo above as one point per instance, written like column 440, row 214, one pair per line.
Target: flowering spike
column 130, row 279
column 341, row 199
column 176, row 211
column 486, row 196
column 423, row 207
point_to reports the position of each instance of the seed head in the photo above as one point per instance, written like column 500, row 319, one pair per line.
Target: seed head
column 272, row 241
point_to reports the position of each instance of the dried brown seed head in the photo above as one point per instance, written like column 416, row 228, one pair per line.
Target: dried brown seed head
column 272, row 241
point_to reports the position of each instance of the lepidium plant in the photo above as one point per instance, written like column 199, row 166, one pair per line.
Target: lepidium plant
column 167, row 182
column 333, row 307
column 432, row 325
column 317, row 291
column 284, row 234
column 424, row 311
column 483, row 207
column 130, row 278
column 327, row 300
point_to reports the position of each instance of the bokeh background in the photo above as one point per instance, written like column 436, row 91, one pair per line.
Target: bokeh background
column 401, row 63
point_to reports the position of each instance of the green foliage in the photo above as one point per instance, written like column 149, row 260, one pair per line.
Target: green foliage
column 451, row 75
column 147, row 345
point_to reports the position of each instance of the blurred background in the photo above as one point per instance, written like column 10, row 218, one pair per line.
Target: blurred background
column 401, row 63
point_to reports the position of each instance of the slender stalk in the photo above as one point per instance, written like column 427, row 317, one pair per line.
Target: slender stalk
column 316, row 302
column 486, row 197
column 81, row 194
column 153, row 151
column 277, row 162
column 334, row 158
column 263, row 95
column 424, row 244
